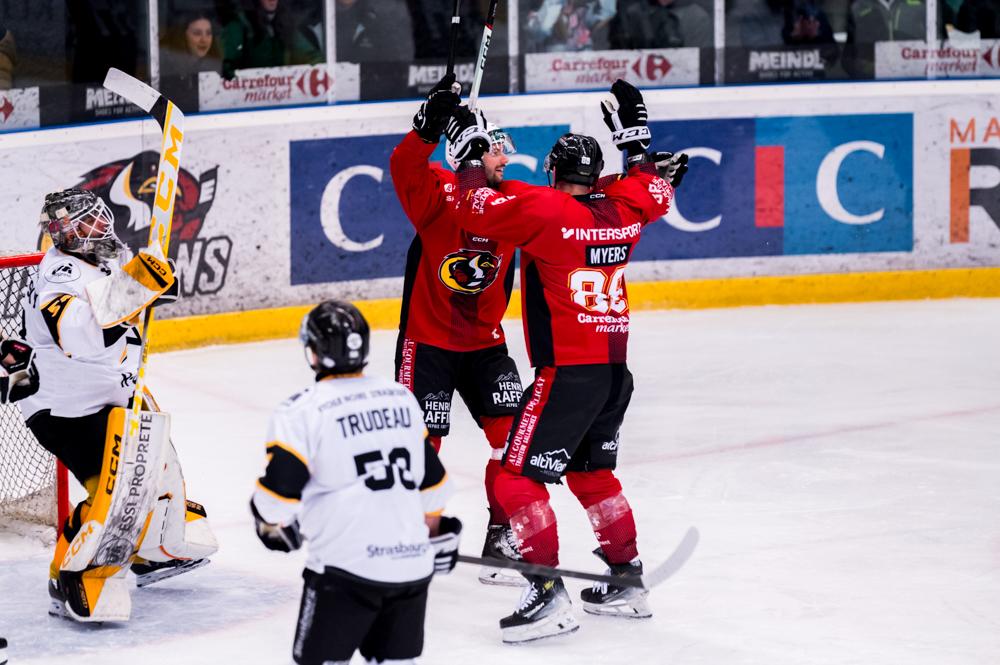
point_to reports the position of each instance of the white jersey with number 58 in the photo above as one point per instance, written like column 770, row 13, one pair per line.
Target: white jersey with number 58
column 349, row 458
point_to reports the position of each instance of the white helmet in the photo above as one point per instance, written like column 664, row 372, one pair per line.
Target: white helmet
column 501, row 143
column 79, row 221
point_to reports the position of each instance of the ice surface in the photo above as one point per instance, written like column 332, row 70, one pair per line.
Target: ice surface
column 842, row 463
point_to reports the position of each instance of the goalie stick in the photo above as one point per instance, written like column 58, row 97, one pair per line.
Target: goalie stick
column 93, row 572
column 656, row 576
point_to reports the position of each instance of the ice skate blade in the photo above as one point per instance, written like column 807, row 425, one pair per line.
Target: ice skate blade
column 560, row 623
column 620, row 610
column 166, row 573
column 501, row 577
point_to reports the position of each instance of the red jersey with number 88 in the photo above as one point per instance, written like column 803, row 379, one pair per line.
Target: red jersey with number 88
column 574, row 251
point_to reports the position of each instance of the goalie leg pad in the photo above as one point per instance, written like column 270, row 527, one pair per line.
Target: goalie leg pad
column 178, row 528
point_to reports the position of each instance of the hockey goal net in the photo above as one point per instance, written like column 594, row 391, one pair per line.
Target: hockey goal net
column 33, row 487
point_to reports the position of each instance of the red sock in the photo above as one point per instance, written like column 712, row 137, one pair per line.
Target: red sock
column 496, row 430
column 531, row 517
column 610, row 515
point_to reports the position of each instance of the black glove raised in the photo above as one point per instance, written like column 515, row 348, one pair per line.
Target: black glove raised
column 434, row 113
column 18, row 361
column 275, row 536
column 445, row 545
column 626, row 117
column 669, row 166
column 467, row 135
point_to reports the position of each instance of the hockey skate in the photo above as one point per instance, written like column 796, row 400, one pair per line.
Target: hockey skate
column 57, row 600
column 544, row 611
column 150, row 572
column 500, row 544
column 620, row 601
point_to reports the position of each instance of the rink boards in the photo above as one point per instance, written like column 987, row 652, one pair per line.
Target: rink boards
column 806, row 193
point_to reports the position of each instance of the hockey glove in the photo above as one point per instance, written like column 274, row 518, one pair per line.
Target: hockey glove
column 445, row 545
column 466, row 131
column 625, row 116
column 18, row 360
column 275, row 536
column 173, row 292
column 670, row 167
column 434, row 113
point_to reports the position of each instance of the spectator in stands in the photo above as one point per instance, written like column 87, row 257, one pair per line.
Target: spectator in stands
column 661, row 24
column 568, row 25
column 754, row 23
column 374, row 31
column 266, row 35
column 432, row 27
column 871, row 21
column 981, row 15
column 806, row 24
column 189, row 46
column 8, row 58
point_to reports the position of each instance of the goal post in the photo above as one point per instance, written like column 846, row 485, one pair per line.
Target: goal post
column 34, row 487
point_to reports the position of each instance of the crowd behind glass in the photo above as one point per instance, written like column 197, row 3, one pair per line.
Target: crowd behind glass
column 65, row 43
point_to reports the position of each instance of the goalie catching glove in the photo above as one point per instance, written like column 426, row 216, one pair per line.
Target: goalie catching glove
column 434, row 113
column 445, row 545
column 18, row 361
column 276, row 536
column 468, row 134
column 626, row 116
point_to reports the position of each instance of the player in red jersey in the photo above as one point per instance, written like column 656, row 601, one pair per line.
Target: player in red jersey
column 455, row 292
column 575, row 244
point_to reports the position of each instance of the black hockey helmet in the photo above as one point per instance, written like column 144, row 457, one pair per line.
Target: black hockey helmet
column 575, row 158
column 338, row 334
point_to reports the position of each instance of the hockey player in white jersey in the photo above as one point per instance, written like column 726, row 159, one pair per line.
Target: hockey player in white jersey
column 88, row 372
column 352, row 472
column 18, row 374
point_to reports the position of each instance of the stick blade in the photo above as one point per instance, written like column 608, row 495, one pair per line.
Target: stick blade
column 675, row 561
column 131, row 89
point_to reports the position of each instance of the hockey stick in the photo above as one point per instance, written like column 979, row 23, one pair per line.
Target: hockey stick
column 658, row 575
column 93, row 572
column 484, row 48
column 456, row 20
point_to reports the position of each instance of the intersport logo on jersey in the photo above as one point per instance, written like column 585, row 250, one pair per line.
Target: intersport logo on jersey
column 599, row 69
column 787, row 185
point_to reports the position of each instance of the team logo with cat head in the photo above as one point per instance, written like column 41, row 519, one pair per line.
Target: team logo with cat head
column 469, row 271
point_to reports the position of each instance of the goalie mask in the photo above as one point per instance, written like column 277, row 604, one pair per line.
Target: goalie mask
column 80, row 222
column 500, row 144
column 337, row 334
column 575, row 158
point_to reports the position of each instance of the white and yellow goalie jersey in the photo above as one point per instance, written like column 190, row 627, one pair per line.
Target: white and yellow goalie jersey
column 82, row 366
column 349, row 459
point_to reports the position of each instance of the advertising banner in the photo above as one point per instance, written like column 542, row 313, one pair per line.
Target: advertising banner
column 19, row 109
column 78, row 103
column 599, row 69
column 782, row 64
column 286, row 207
column 398, row 80
column 958, row 59
column 788, row 185
column 277, row 86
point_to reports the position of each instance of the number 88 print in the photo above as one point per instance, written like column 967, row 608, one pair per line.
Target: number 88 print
column 594, row 291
